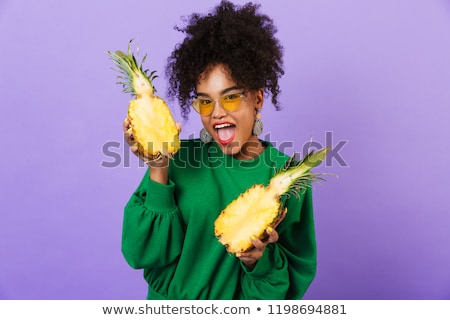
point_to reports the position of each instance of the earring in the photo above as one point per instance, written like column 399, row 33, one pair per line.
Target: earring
column 205, row 136
column 258, row 126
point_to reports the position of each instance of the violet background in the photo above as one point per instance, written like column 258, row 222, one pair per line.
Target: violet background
column 376, row 74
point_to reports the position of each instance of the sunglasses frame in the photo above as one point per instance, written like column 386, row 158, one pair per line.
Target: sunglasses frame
column 220, row 101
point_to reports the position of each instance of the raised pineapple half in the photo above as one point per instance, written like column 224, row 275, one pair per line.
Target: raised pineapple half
column 259, row 207
column 152, row 124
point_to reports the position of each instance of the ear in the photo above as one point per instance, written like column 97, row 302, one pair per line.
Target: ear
column 259, row 97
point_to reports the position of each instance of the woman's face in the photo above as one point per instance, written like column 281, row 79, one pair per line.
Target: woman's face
column 232, row 130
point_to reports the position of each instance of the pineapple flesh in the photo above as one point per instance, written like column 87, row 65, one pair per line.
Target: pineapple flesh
column 259, row 207
column 152, row 124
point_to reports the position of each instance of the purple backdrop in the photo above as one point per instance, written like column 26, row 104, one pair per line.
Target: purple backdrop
column 371, row 78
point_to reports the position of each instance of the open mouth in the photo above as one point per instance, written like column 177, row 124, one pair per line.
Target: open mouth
column 225, row 132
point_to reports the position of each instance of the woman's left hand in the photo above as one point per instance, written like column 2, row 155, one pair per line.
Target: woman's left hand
column 250, row 257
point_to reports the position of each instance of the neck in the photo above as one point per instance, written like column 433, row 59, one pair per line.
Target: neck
column 250, row 150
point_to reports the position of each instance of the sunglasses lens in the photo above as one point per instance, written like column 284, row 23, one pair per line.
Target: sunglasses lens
column 204, row 107
column 231, row 102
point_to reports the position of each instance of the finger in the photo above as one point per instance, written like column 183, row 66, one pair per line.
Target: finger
column 250, row 262
column 250, row 256
column 129, row 137
column 134, row 149
column 280, row 218
column 273, row 235
column 126, row 124
column 257, row 243
column 178, row 124
column 129, row 140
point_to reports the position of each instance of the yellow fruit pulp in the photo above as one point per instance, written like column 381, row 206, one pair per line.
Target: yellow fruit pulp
column 153, row 126
column 249, row 215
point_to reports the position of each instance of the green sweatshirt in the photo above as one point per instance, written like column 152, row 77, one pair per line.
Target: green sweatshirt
column 168, row 230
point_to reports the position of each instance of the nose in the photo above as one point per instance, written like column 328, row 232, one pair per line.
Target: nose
column 218, row 111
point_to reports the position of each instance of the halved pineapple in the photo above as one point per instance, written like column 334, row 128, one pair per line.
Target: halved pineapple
column 151, row 122
column 259, row 207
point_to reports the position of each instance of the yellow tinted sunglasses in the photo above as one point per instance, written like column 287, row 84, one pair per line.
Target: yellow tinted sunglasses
column 230, row 102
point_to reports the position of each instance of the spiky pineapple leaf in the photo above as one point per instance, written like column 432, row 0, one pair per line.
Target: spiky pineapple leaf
column 309, row 161
column 129, row 69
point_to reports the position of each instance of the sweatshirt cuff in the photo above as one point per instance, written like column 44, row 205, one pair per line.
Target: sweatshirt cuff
column 159, row 197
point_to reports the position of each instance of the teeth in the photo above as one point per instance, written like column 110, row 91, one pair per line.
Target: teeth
column 220, row 126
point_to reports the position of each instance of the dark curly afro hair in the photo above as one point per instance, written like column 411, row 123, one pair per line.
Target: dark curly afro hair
column 238, row 37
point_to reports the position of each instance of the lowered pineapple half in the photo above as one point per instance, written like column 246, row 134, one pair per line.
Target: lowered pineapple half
column 151, row 122
column 259, row 207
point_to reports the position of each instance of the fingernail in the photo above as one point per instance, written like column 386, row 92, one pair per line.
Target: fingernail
column 252, row 237
column 270, row 229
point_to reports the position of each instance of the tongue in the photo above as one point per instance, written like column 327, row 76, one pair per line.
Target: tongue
column 226, row 134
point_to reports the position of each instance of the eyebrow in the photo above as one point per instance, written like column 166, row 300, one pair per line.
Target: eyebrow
column 223, row 92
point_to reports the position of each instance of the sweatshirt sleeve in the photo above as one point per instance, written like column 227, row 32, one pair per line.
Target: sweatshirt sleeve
column 152, row 233
column 288, row 266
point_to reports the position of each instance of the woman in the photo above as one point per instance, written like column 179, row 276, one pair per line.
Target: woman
column 224, row 68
